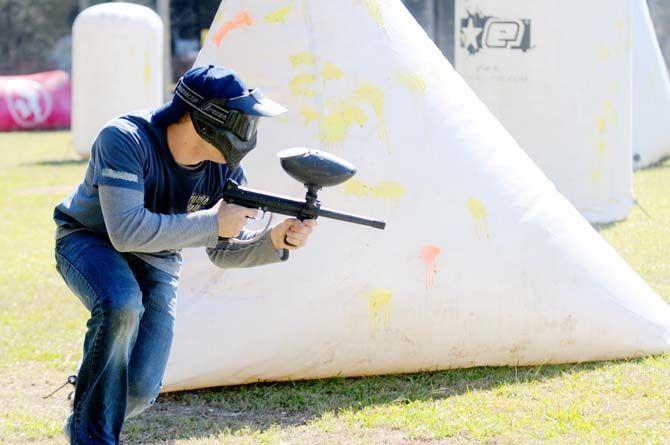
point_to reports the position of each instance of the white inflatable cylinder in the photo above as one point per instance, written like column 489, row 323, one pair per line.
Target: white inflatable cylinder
column 117, row 66
column 558, row 75
column 651, row 92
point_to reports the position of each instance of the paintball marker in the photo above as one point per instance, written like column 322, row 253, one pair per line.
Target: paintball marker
column 315, row 169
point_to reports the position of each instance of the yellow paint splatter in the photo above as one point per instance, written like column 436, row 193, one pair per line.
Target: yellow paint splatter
column 605, row 54
column 384, row 190
column 356, row 188
column 147, row 69
column 310, row 114
column 302, row 58
column 278, row 16
column 299, row 85
column 374, row 8
column 597, row 176
column 413, row 82
column 389, row 190
column 620, row 23
column 218, row 17
column 479, row 216
column 370, row 94
column 331, row 72
column 608, row 117
column 379, row 303
column 602, row 147
column 336, row 123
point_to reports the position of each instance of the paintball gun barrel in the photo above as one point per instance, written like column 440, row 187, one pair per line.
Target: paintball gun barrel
column 315, row 169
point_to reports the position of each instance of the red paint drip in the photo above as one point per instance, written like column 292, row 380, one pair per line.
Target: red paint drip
column 429, row 255
column 242, row 19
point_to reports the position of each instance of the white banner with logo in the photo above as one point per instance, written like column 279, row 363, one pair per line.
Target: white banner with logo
column 558, row 75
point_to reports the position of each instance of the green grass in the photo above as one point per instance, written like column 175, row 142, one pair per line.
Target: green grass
column 42, row 324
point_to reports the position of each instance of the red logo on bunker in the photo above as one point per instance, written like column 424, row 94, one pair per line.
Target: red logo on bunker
column 29, row 102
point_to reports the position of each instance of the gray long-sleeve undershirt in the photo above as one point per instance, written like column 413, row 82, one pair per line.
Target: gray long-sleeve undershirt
column 133, row 228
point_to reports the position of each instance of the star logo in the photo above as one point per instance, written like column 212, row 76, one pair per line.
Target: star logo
column 484, row 32
column 470, row 35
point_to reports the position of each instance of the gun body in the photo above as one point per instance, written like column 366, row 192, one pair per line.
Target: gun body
column 233, row 193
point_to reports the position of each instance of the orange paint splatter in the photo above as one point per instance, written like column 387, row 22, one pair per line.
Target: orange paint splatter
column 241, row 20
column 429, row 255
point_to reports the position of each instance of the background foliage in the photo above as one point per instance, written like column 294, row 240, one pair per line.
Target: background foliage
column 35, row 34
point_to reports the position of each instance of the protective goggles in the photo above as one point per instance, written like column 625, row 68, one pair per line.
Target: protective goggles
column 243, row 125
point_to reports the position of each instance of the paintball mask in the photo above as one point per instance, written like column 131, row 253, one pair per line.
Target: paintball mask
column 231, row 132
column 229, row 124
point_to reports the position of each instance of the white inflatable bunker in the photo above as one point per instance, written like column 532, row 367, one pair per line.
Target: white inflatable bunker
column 558, row 75
column 483, row 262
column 117, row 67
column 651, row 92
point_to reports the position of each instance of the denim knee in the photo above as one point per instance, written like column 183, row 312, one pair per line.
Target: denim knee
column 124, row 317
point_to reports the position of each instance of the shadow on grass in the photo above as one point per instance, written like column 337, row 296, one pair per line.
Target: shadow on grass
column 261, row 406
column 658, row 165
column 55, row 163
column 603, row 227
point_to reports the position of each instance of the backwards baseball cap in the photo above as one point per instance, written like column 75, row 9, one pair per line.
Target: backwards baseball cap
column 223, row 110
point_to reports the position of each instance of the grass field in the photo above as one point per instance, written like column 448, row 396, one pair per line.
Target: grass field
column 42, row 324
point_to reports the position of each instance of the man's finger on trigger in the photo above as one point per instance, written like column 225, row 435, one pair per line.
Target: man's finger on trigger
column 251, row 213
column 310, row 222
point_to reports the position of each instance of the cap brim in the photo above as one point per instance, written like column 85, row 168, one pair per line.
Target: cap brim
column 256, row 104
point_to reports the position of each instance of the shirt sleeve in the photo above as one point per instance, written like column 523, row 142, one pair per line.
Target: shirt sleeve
column 117, row 158
column 227, row 255
column 133, row 228
column 239, row 176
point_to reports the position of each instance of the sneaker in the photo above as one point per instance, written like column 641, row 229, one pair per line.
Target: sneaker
column 67, row 427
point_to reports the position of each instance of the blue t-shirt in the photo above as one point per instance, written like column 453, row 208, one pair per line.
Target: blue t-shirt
column 132, row 152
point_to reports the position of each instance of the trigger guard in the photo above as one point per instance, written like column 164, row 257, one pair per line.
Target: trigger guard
column 260, row 218
column 261, row 233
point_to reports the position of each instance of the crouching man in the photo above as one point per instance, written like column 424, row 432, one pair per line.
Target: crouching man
column 153, row 186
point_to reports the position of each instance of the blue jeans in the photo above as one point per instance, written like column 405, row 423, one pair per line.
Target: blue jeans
column 128, row 338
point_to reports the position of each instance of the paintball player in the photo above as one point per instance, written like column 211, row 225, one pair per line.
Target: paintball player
column 152, row 187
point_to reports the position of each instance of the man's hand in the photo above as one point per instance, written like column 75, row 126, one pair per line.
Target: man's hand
column 292, row 233
column 232, row 218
